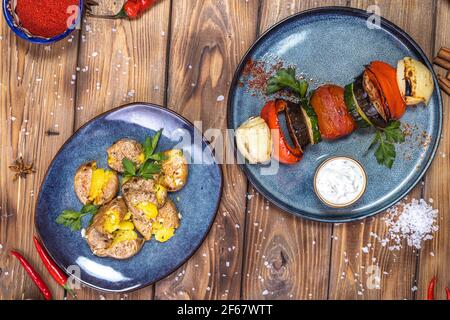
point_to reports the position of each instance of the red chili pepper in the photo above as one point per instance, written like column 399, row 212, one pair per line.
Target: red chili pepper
column 57, row 274
column 33, row 275
column 54, row 271
column 145, row 4
column 431, row 287
column 447, row 290
column 132, row 9
column 282, row 151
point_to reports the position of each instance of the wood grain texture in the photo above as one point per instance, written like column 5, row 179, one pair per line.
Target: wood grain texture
column 357, row 256
column 254, row 250
column 208, row 40
column 36, row 95
column 121, row 62
column 280, row 249
column 435, row 256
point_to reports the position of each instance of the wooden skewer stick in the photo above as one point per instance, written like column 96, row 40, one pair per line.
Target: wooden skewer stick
column 444, row 84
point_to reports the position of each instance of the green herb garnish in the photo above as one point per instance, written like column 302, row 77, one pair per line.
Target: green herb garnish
column 286, row 79
column 385, row 138
column 151, row 164
column 150, row 144
column 72, row 219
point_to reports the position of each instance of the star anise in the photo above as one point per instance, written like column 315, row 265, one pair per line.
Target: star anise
column 89, row 4
column 21, row 168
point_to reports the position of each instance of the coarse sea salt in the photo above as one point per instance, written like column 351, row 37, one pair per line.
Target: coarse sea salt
column 414, row 222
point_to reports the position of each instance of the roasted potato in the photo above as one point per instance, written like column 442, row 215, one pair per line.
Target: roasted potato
column 125, row 148
column 111, row 233
column 95, row 185
column 144, row 198
column 174, row 172
column 166, row 222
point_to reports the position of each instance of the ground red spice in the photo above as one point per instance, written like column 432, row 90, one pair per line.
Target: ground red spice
column 45, row 18
column 256, row 74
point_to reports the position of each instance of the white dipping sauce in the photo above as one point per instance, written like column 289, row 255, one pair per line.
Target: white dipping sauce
column 340, row 181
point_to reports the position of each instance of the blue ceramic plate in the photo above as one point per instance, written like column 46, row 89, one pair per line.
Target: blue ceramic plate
column 332, row 45
column 197, row 201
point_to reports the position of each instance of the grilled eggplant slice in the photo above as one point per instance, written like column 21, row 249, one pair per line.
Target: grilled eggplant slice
column 366, row 105
column 296, row 122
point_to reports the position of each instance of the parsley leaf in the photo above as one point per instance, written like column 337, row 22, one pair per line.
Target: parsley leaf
column 158, row 156
column 385, row 140
column 150, row 144
column 149, row 169
column 129, row 168
column 394, row 133
column 286, row 79
column 72, row 219
column 151, row 164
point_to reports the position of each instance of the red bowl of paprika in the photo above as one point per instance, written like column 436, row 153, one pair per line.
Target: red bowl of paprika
column 45, row 21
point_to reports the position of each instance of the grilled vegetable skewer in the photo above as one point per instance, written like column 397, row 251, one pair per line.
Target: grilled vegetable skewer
column 377, row 98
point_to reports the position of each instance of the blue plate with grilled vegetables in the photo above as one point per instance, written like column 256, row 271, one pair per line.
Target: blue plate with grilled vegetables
column 337, row 118
column 128, row 198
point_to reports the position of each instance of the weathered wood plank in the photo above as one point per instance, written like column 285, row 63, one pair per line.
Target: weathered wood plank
column 125, row 62
column 357, row 257
column 280, row 249
column 36, row 96
column 435, row 256
column 208, row 40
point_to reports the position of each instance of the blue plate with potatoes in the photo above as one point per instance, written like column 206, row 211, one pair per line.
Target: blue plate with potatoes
column 97, row 251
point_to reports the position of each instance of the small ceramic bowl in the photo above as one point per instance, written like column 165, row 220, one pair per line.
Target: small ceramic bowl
column 328, row 202
column 11, row 20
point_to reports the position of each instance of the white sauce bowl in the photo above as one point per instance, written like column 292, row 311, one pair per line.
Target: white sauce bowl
column 340, row 181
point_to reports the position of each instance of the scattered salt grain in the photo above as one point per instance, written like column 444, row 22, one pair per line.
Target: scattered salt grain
column 220, row 98
column 414, row 222
column 265, row 292
column 94, row 54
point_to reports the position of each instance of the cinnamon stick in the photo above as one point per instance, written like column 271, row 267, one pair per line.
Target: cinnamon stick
column 444, row 84
column 442, row 63
column 444, row 53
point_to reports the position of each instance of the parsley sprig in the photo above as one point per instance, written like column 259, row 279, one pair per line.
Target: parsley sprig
column 385, row 138
column 286, row 79
column 72, row 219
column 152, row 160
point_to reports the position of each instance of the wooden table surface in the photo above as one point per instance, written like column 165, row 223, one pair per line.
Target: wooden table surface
column 182, row 54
